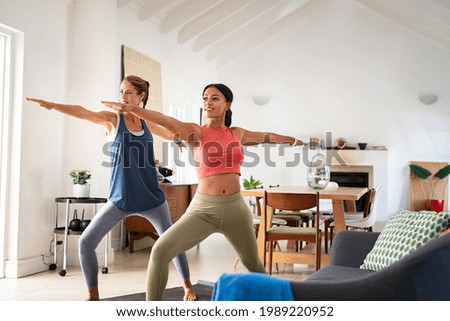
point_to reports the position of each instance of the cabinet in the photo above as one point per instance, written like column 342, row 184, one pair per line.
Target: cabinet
column 178, row 198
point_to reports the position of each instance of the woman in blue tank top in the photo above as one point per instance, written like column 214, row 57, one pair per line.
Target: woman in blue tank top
column 133, row 184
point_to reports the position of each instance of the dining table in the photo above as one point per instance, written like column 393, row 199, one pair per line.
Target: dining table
column 343, row 200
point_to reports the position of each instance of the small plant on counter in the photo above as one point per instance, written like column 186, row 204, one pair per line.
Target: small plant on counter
column 251, row 183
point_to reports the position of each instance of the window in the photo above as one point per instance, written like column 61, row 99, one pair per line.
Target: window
column 5, row 99
column 4, row 50
column 4, row 64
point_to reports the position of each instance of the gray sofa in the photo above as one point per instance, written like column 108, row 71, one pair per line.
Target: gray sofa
column 422, row 275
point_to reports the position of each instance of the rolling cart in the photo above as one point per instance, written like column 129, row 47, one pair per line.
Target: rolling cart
column 64, row 230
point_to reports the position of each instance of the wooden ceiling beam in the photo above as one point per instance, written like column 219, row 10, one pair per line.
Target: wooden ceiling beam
column 443, row 3
column 152, row 7
column 184, row 13
column 413, row 19
column 210, row 18
column 278, row 26
column 246, row 31
column 233, row 22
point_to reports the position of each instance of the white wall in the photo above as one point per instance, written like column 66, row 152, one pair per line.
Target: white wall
column 345, row 69
column 72, row 54
column 28, row 230
column 354, row 73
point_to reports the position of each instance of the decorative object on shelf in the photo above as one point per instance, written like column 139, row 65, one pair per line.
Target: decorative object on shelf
column 314, row 142
column 81, row 190
column 362, row 146
column 318, row 175
column 423, row 173
column 251, row 183
column 341, row 143
column 84, row 223
column 80, row 186
column 75, row 223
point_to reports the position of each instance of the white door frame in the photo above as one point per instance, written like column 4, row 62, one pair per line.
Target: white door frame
column 11, row 72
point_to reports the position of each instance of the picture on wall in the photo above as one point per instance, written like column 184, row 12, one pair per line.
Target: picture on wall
column 138, row 64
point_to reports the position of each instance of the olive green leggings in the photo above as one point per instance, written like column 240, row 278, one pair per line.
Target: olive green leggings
column 206, row 215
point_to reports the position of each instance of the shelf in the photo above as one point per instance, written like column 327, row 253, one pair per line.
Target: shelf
column 344, row 148
column 80, row 200
column 61, row 230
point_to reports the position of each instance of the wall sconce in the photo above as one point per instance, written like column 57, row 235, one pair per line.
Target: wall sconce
column 261, row 100
column 428, row 99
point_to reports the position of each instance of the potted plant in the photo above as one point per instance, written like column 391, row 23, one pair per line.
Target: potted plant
column 80, row 186
column 251, row 183
column 423, row 173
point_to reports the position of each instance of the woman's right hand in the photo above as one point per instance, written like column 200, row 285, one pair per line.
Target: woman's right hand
column 43, row 103
column 119, row 107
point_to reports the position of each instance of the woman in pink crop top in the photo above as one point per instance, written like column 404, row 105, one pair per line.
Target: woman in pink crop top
column 218, row 206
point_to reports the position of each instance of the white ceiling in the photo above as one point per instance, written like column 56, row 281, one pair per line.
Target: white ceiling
column 227, row 29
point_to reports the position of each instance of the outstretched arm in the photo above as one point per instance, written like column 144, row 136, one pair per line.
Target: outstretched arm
column 185, row 131
column 105, row 118
column 249, row 138
column 162, row 132
column 166, row 134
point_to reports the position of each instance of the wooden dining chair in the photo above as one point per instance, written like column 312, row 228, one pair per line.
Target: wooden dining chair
column 290, row 202
column 365, row 222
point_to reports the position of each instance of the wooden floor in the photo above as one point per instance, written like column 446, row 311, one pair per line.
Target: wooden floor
column 127, row 274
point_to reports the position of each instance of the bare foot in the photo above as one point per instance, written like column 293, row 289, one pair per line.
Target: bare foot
column 189, row 294
column 93, row 294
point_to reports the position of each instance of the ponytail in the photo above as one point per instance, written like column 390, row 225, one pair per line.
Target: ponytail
column 228, row 114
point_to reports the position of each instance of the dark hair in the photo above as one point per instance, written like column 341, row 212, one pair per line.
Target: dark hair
column 141, row 85
column 228, row 94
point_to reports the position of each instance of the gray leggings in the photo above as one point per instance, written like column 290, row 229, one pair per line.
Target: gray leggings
column 206, row 215
column 108, row 216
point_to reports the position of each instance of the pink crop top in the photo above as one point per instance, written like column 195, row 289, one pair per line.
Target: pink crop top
column 220, row 152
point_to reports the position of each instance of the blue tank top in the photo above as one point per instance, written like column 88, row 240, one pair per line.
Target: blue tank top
column 133, row 185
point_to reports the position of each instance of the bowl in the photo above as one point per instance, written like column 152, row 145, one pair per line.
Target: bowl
column 362, row 146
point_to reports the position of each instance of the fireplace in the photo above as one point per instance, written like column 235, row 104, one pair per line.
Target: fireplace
column 353, row 176
column 374, row 162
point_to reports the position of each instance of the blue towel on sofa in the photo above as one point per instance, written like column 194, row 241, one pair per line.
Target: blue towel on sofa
column 251, row 287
